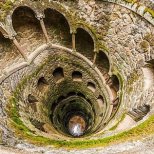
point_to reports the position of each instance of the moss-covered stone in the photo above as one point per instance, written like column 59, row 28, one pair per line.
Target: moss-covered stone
column 149, row 11
column 133, row 78
column 144, row 45
column 6, row 6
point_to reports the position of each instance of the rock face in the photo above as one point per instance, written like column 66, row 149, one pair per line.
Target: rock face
column 89, row 59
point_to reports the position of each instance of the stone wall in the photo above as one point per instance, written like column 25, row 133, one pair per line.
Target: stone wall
column 123, row 31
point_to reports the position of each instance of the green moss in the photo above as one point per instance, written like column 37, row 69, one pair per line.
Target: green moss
column 103, row 46
column 22, row 131
column 133, row 78
column 149, row 38
column 144, row 45
column 116, row 125
column 130, row 1
column 149, row 11
column 5, row 7
column 129, row 90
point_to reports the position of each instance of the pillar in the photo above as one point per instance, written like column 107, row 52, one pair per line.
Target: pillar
column 19, row 48
column 44, row 30
column 73, row 42
column 95, row 56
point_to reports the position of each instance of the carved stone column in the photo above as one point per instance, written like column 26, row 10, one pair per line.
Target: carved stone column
column 40, row 18
column 8, row 32
column 19, row 48
column 73, row 41
column 95, row 56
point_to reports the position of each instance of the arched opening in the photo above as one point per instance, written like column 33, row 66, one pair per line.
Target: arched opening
column 42, row 84
column 91, row 86
column 60, row 99
column 27, row 26
column 58, row 74
column 81, row 95
column 139, row 112
column 148, row 72
column 102, row 62
column 77, row 76
column 100, row 101
column 115, row 83
column 8, row 51
column 58, row 28
column 84, row 43
column 32, row 99
column 71, row 94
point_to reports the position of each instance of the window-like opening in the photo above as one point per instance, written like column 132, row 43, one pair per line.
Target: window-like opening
column 53, row 106
column 60, row 99
column 148, row 71
column 71, row 94
column 39, row 125
column 8, row 51
column 139, row 112
column 144, row 108
column 42, row 84
column 58, row 74
column 115, row 83
column 77, row 76
column 85, row 43
column 58, row 28
column 32, row 99
column 100, row 101
column 89, row 101
column 102, row 62
column 91, row 86
column 28, row 28
column 81, row 95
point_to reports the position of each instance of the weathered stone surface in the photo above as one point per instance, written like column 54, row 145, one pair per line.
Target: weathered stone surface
column 124, row 36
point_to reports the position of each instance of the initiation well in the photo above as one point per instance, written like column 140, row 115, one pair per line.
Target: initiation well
column 76, row 73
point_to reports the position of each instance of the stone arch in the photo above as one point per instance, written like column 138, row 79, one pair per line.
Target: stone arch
column 109, row 59
column 119, row 78
column 103, row 62
column 28, row 28
column 58, row 27
column 24, row 5
column 90, row 32
column 61, row 9
column 8, row 51
column 148, row 74
column 85, row 43
column 115, row 82
column 25, row 8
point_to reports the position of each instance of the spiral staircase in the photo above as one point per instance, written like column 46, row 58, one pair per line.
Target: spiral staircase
column 70, row 78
